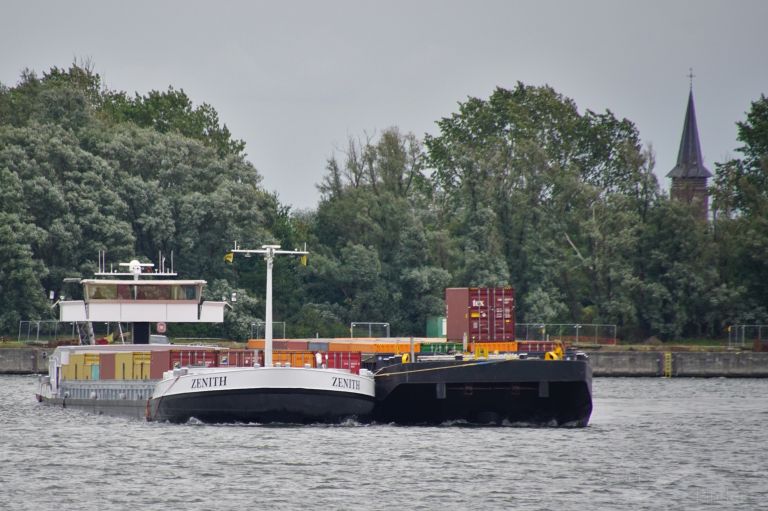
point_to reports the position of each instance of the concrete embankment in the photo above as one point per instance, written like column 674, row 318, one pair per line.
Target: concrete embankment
column 24, row 360
column 734, row 364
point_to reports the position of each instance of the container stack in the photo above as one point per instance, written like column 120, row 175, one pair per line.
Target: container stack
column 482, row 314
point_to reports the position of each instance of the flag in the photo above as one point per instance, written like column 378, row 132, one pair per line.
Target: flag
column 303, row 260
column 229, row 256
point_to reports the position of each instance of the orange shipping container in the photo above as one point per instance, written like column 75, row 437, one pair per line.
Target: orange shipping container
column 255, row 344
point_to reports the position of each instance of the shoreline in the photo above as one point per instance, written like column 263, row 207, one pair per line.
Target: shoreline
column 707, row 364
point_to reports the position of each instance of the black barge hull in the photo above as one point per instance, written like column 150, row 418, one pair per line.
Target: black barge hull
column 494, row 392
column 290, row 406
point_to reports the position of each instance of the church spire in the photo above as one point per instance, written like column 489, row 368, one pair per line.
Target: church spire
column 689, row 176
column 689, row 161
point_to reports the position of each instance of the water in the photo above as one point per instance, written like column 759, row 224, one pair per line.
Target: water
column 651, row 444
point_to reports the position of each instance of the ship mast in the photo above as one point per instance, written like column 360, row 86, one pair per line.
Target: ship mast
column 269, row 251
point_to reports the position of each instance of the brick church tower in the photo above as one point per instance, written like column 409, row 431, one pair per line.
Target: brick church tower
column 689, row 176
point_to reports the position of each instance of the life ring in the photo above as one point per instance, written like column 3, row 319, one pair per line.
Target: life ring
column 482, row 351
column 406, row 358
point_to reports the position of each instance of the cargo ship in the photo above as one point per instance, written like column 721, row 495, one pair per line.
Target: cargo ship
column 501, row 390
column 176, row 383
column 501, row 381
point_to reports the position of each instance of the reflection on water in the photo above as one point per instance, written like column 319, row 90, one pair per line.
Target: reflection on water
column 651, row 444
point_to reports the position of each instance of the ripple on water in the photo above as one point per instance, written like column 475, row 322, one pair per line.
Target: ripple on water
column 677, row 443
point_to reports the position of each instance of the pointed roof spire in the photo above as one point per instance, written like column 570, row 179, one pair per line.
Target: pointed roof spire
column 689, row 160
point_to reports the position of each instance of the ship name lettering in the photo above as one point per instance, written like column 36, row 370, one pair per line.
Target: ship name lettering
column 210, row 381
column 345, row 383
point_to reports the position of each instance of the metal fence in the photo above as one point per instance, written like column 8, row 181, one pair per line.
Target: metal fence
column 741, row 335
column 53, row 330
column 258, row 329
column 373, row 329
column 584, row 333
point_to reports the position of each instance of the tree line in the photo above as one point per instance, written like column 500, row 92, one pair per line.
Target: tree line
column 519, row 189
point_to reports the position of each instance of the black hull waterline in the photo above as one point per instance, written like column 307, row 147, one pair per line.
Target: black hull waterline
column 494, row 392
column 290, row 406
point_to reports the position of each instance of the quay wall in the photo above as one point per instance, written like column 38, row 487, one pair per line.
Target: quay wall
column 24, row 360
column 733, row 364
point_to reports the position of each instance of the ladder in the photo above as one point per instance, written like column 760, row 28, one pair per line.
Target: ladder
column 668, row 365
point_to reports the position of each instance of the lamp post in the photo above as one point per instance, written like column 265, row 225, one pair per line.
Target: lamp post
column 269, row 252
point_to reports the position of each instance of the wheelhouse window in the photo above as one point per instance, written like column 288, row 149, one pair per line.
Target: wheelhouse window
column 130, row 292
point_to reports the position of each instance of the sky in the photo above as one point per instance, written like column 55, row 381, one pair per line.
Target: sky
column 296, row 79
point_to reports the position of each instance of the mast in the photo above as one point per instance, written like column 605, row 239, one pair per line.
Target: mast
column 269, row 252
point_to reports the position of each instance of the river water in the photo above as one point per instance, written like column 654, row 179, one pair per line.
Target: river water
column 651, row 444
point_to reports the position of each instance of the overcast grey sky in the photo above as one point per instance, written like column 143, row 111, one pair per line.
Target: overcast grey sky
column 295, row 79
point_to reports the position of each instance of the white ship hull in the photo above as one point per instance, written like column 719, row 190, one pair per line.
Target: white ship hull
column 263, row 395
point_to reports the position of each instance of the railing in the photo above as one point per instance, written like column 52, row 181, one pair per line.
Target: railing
column 54, row 330
column 738, row 335
column 586, row 333
column 260, row 326
column 370, row 326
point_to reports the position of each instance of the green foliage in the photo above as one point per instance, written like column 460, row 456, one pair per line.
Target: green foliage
column 517, row 189
column 78, row 178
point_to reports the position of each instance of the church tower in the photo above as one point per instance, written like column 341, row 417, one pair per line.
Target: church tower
column 689, row 176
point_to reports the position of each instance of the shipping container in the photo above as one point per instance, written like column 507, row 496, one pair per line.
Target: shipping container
column 317, row 346
column 194, row 357
column 296, row 345
column 397, row 347
column 236, row 358
column 77, row 361
column 483, row 314
column 436, row 326
column 495, row 347
column 159, row 362
column 294, row 358
column 141, row 365
column 107, row 366
column 363, row 347
column 255, row 344
column 441, row 347
column 343, row 360
column 340, row 346
column 535, row 346
column 124, row 366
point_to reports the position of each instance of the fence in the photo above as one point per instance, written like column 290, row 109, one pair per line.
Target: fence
column 740, row 335
column 259, row 329
column 370, row 328
column 585, row 333
column 53, row 330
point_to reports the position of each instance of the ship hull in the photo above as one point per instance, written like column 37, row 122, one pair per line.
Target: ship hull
column 134, row 409
column 294, row 406
column 503, row 392
column 264, row 395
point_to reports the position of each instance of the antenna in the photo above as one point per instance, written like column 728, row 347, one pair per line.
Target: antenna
column 269, row 251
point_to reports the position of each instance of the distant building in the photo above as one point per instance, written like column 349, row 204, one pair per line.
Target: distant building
column 689, row 176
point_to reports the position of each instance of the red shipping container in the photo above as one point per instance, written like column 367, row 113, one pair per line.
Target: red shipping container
column 194, row 357
column 483, row 314
column 280, row 345
column 106, row 366
column 159, row 362
column 296, row 345
column 535, row 346
column 343, row 360
column 236, row 358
